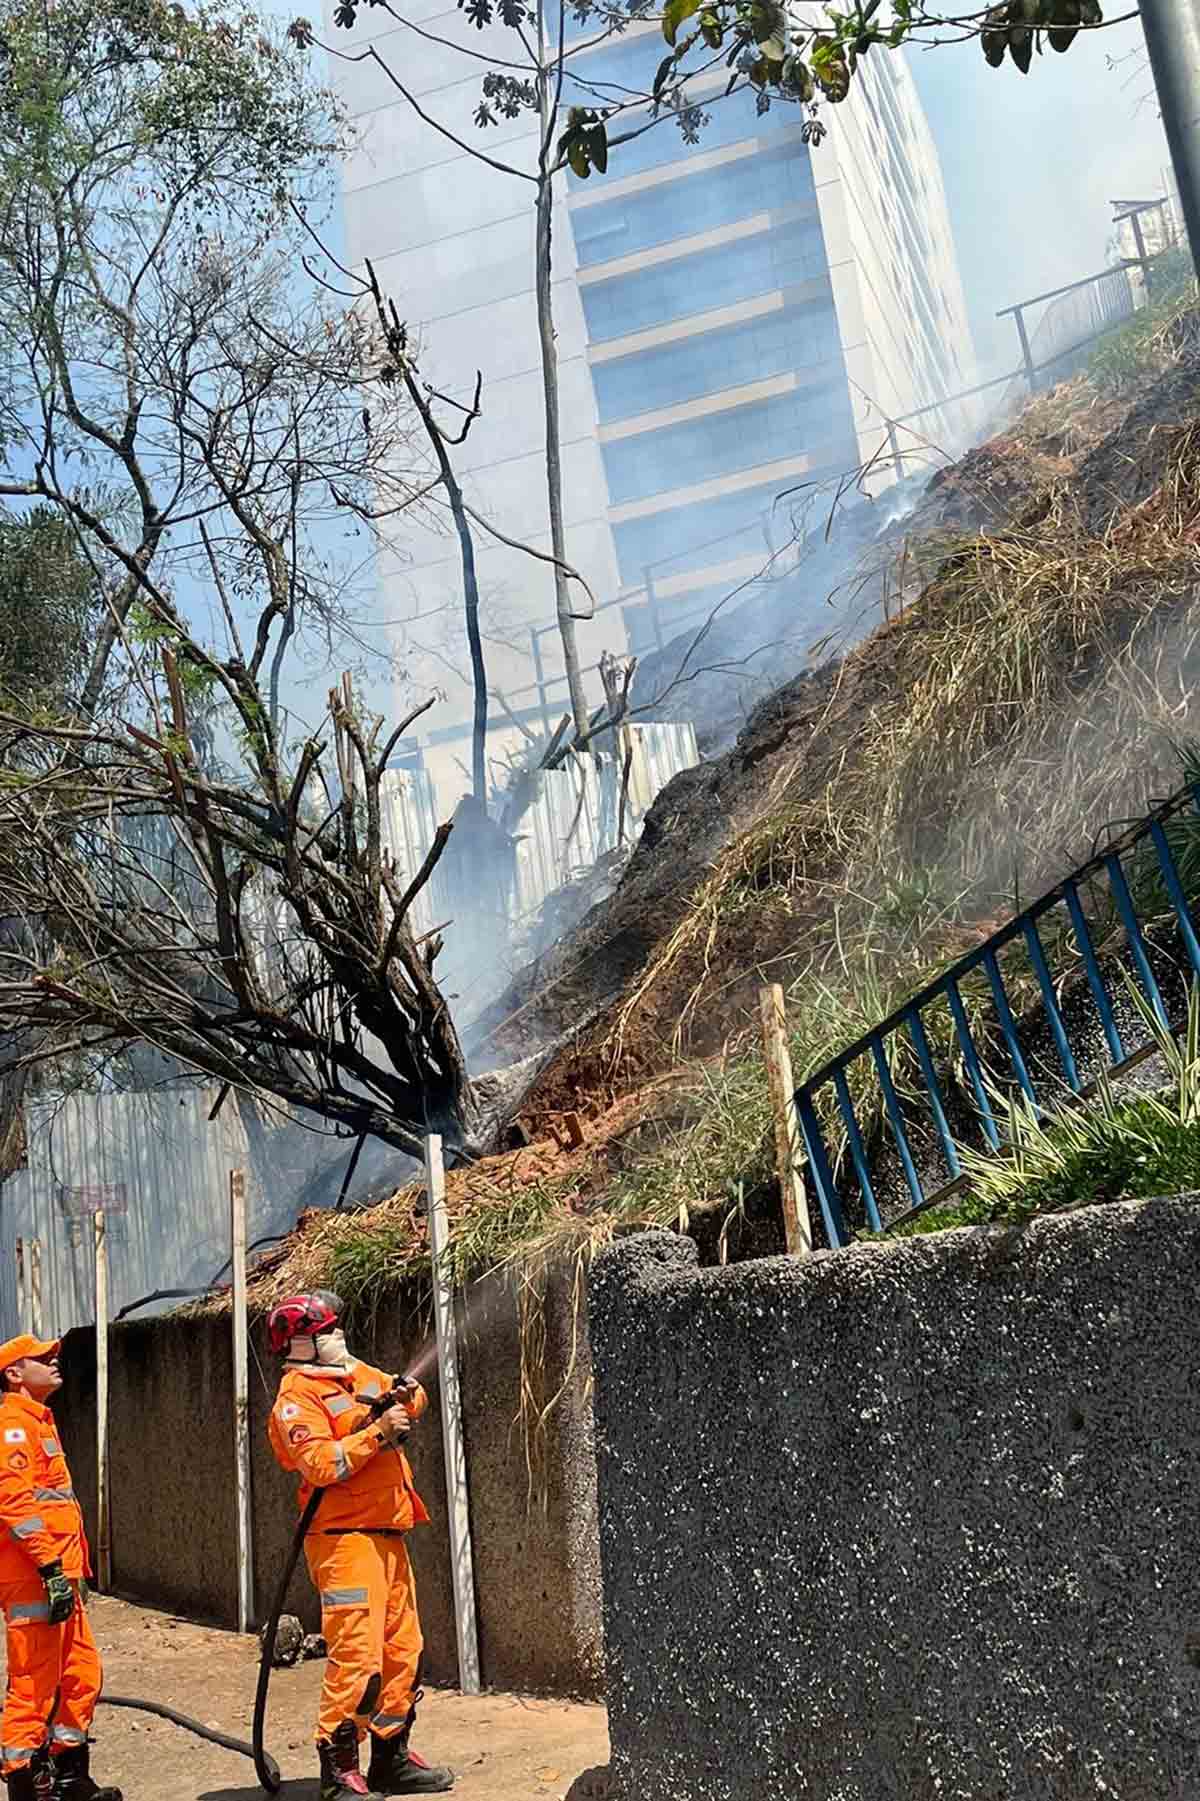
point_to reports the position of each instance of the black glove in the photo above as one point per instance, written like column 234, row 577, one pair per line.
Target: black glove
column 60, row 1593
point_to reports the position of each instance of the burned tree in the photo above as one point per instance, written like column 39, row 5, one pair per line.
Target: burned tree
column 247, row 919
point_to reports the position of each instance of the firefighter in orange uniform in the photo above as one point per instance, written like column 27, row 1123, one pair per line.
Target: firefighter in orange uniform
column 54, row 1673
column 322, row 1427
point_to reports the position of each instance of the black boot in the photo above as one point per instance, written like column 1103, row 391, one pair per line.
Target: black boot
column 340, row 1774
column 73, row 1781
column 395, row 1770
column 23, row 1785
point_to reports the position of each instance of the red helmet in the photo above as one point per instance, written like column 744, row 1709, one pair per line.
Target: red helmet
column 302, row 1314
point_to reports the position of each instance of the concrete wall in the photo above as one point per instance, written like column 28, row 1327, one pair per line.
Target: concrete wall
column 171, row 1439
column 910, row 1521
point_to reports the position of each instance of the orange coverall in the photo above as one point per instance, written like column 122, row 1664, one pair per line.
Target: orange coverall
column 40, row 1521
column 355, row 1548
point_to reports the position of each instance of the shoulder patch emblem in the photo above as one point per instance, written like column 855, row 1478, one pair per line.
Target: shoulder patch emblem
column 18, row 1461
column 14, row 1435
column 299, row 1435
column 289, row 1411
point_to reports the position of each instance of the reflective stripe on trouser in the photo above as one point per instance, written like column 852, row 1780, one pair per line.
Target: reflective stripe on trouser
column 43, row 1659
column 371, row 1629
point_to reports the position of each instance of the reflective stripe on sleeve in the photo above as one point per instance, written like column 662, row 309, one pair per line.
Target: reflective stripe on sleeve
column 28, row 1527
column 339, row 1404
column 341, row 1464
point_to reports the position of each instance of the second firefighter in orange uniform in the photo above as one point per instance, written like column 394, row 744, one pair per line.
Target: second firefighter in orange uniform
column 54, row 1671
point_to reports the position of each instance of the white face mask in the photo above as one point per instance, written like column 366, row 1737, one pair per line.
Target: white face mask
column 327, row 1349
column 331, row 1347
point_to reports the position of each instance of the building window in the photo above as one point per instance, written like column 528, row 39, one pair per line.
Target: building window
column 732, row 119
column 706, row 279
column 717, row 444
column 753, row 522
column 795, row 337
column 678, row 209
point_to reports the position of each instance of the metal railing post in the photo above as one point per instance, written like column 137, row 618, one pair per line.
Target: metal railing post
column 1026, row 352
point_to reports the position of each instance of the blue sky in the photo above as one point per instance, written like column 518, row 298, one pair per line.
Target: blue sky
column 1030, row 163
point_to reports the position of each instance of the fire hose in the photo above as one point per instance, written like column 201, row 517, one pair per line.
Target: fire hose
column 265, row 1766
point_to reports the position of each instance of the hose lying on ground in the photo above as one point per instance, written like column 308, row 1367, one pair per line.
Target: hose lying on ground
column 265, row 1767
column 268, row 1769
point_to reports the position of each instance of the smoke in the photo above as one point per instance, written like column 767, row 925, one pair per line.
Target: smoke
column 1030, row 166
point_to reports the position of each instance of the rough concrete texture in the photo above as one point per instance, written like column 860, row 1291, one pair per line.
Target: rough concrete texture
column 912, row 1520
column 173, row 1521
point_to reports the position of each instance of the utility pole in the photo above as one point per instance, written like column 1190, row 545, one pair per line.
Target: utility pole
column 1172, row 30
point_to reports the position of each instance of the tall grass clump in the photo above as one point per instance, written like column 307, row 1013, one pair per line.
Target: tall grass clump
column 1111, row 1147
column 960, row 761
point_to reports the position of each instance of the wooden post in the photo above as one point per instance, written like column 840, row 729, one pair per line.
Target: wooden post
column 241, row 1400
column 22, row 1292
column 35, row 1287
column 458, row 1504
column 103, row 1518
column 782, row 1089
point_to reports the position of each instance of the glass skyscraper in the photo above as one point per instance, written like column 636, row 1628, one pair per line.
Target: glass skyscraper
column 736, row 317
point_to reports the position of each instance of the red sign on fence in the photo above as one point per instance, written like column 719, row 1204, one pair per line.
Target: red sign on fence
column 95, row 1197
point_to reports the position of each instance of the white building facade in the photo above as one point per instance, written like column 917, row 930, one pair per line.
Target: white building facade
column 737, row 318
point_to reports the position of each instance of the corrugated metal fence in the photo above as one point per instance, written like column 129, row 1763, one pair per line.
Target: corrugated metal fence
column 573, row 820
column 160, row 1169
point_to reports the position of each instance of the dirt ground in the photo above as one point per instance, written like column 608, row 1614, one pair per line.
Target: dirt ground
column 502, row 1747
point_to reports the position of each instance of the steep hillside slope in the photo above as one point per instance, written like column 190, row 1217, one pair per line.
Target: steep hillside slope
column 881, row 810
column 1031, row 683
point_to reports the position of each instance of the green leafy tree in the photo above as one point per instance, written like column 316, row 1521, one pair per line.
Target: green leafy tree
column 50, row 609
column 170, row 381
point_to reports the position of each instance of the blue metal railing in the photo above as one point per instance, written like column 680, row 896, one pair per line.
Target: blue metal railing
column 916, row 1145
